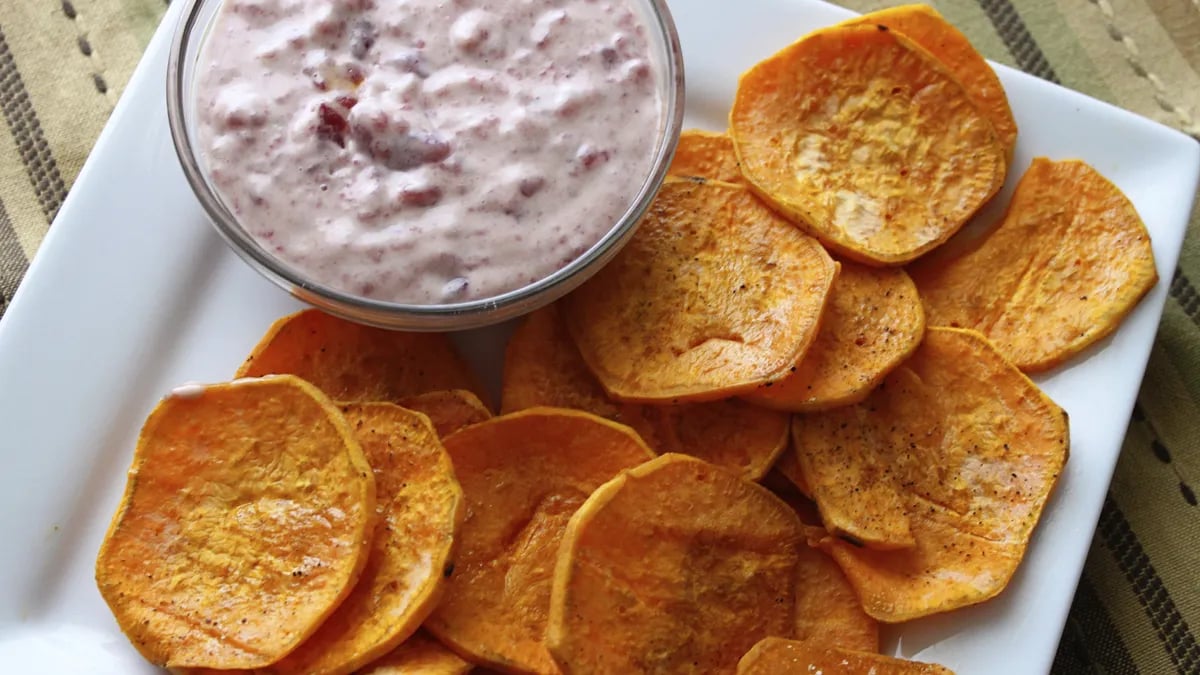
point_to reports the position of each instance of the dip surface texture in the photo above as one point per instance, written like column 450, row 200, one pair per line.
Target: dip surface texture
column 427, row 151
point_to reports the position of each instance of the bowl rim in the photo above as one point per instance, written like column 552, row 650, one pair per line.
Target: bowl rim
column 479, row 312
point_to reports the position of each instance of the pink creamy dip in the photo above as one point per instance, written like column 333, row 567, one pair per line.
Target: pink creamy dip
column 427, row 151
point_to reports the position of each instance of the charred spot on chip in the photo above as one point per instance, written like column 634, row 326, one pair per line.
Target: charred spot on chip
column 448, row 570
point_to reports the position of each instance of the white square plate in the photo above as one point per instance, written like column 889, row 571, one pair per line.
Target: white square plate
column 133, row 293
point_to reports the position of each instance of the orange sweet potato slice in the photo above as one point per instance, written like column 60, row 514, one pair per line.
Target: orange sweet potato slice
column 873, row 321
column 827, row 609
column 421, row 506
column 449, row 410
column 706, row 154
column 957, row 448
column 352, row 362
column 714, row 295
column 542, row 367
column 246, row 521
column 674, row 566
column 523, row 474
column 1068, row 263
column 925, row 26
column 777, row 656
column 419, row 655
column 865, row 140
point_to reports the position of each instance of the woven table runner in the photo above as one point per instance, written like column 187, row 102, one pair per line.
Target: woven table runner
column 64, row 63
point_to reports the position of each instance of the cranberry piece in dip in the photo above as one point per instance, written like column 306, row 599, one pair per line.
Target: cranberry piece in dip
column 425, row 152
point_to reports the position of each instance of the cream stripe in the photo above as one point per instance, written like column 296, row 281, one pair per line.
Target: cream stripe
column 1182, row 23
column 58, row 78
column 1050, row 27
column 1159, row 50
column 118, row 31
column 1110, row 58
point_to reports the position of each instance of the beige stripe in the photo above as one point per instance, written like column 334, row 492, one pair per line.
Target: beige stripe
column 1135, row 59
column 1182, row 23
column 118, row 32
column 58, row 78
column 1127, row 614
column 1174, row 373
column 1153, row 56
column 28, row 221
column 1051, row 26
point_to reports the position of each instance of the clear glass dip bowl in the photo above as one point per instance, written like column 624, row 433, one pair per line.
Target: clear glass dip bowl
column 667, row 61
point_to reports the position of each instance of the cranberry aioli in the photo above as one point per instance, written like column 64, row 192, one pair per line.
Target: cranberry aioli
column 427, row 151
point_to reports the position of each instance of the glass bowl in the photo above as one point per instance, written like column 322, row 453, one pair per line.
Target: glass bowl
column 667, row 62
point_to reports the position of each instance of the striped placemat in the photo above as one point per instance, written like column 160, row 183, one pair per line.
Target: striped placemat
column 63, row 64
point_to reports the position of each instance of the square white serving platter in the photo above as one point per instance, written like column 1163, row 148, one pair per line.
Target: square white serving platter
column 133, row 293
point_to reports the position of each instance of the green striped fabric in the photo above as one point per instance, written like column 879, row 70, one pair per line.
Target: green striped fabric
column 63, row 64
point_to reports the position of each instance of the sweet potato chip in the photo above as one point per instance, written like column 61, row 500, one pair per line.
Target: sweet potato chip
column 925, row 26
column 958, row 450
column 246, row 520
column 777, row 656
column 421, row 507
column 351, row 362
column 706, row 154
column 523, row 475
column 1068, row 263
column 712, row 296
column 448, row 410
column 827, row 610
column 674, row 566
column 419, row 655
column 873, row 321
column 542, row 367
column 864, row 139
